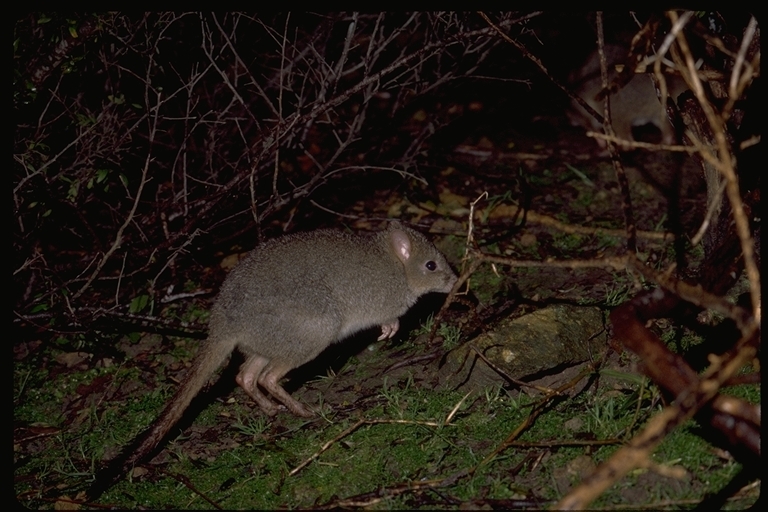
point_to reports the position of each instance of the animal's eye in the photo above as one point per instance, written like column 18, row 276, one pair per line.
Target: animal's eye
column 431, row 265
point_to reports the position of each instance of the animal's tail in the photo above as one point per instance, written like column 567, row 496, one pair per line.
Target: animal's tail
column 212, row 354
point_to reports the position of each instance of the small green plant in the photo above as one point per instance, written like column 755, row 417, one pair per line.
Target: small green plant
column 568, row 242
column 605, row 241
column 583, row 177
column 602, row 416
column 324, row 410
column 615, row 295
column 542, row 179
column 451, row 335
column 680, row 340
column 251, row 425
column 396, row 395
column 485, row 283
column 494, row 393
column 426, row 327
column 23, row 378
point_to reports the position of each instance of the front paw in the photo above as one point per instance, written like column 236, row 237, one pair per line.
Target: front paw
column 389, row 330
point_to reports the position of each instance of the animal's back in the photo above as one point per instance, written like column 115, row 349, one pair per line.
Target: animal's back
column 292, row 296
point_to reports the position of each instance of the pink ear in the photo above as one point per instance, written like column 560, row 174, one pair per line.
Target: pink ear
column 401, row 244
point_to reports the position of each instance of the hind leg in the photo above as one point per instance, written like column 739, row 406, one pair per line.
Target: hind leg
column 270, row 380
column 248, row 380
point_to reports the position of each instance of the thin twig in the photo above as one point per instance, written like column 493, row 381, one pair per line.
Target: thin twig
column 119, row 235
column 359, row 424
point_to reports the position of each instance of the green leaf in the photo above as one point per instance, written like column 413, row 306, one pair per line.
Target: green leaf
column 74, row 188
column 139, row 303
column 40, row 307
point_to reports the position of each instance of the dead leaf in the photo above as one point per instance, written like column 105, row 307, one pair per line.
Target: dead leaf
column 70, row 359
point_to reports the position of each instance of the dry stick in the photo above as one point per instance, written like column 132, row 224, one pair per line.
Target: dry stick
column 184, row 480
column 431, row 356
column 494, row 367
column 637, row 453
column 463, row 277
column 696, row 295
column 423, row 53
column 119, row 236
column 238, row 97
column 726, row 167
column 208, row 51
column 616, row 262
column 28, row 262
column 252, row 82
column 712, row 209
column 587, row 230
column 52, row 159
column 465, row 273
column 621, row 175
column 327, row 445
column 376, row 496
column 522, row 49
column 333, row 212
column 371, row 498
column 339, row 69
column 625, row 459
column 401, row 172
column 571, row 442
column 469, row 244
column 170, row 260
column 362, row 422
column 737, row 83
column 456, row 408
column 296, row 119
column 642, row 145
column 537, row 410
column 692, row 392
column 671, row 372
column 280, row 88
column 120, row 280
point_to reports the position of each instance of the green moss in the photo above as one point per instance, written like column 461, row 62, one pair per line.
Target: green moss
column 568, row 242
column 239, row 458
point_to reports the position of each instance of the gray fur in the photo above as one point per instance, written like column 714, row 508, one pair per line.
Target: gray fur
column 288, row 300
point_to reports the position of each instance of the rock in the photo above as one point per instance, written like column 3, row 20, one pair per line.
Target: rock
column 546, row 340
